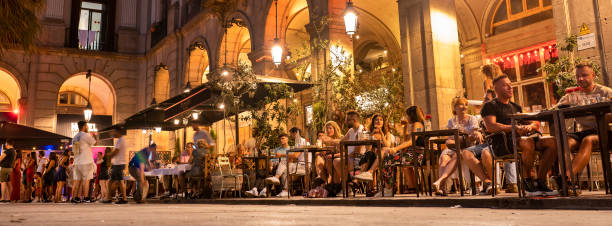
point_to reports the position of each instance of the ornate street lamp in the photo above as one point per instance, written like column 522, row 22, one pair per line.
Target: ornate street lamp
column 88, row 109
column 350, row 18
column 277, row 50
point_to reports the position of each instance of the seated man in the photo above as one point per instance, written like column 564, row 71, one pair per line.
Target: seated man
column 496, row 116
column 585, row 136
column 281, row 170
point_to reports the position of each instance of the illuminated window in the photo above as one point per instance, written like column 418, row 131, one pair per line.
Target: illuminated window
column 90, row 25
column 71, row 99
column 512, row 14
column 5, row 102
column 530, row 87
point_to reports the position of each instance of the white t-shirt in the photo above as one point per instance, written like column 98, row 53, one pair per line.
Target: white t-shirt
column 85, row 155
column 121, row 157
column 303, row 142
column 203, row 134
column 42, row 161
column 355, row 135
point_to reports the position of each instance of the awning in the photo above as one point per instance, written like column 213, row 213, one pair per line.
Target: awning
column 26, row 137
column 201, row 98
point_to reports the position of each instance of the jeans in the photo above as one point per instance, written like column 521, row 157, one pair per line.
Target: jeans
column 294, row 168
column 509, row 170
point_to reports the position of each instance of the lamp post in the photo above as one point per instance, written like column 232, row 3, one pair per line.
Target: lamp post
column 88, row 109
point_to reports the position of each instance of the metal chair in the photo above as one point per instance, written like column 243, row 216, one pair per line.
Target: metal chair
column 223, row 162
column 505, row 158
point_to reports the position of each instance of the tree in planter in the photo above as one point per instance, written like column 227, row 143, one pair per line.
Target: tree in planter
column 270, row 115
column 560, row 72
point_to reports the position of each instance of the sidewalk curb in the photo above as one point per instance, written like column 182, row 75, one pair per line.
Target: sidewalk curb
column 497, row 203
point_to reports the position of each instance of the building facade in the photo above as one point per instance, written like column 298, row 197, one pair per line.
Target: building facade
column 138, row 50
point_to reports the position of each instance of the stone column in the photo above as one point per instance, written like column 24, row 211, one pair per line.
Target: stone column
column 430, row 56
column 569, row 16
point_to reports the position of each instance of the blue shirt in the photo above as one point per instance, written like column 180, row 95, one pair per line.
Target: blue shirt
column 280, row 150
column 140, row 157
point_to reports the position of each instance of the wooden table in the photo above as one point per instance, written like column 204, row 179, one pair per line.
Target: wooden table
column 305, row 150
column 599, row 110
column 438, row 133
column 344, row 161
column 550, row 116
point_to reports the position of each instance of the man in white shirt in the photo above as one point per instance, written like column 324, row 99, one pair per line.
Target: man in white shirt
column 83, row 162
column 42, row 161
column 119, row 160
column 201, row 132
column 355, row 133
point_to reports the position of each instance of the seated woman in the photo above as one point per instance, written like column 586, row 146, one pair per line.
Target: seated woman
column 448, row 158
column 379, row 130
column 198, row 156
column 331, row 137
column 416, row 123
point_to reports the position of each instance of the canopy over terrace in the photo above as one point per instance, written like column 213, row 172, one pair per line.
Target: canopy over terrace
column 202, row 99
column 26, row 137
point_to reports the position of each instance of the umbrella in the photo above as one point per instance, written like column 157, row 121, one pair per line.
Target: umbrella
column 26, row 137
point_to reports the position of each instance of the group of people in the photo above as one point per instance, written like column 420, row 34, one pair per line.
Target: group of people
column 477, row 153
column 69, row 174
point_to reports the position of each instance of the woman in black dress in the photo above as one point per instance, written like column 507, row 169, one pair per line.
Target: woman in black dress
column 60, row 175
column 49, row 177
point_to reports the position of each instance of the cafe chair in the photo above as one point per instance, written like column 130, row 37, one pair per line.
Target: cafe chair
column 300, row 174
column 226, row 171
column 421, row 184
column 502, row 159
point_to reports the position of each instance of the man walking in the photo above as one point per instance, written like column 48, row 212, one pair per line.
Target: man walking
column 118, row 162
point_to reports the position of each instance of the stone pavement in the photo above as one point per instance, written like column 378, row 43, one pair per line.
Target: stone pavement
column 208, row 214
column 586, row 201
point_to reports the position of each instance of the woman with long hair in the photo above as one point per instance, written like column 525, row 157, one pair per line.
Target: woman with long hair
column 415, row 123
column 103, row 176
column 330, row 137
column 30, row 170
column 16, row 178
column 49, row 177
column 61, row 175
column 379, row 130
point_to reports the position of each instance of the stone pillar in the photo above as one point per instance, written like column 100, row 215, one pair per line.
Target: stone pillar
column 430, row 56
column 569, row 17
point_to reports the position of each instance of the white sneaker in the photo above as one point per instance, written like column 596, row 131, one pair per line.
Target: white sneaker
column 263, row 192
column 273, row 180
column 388, row 193
column 283, row 194
column 366, row 176
column 252, row 193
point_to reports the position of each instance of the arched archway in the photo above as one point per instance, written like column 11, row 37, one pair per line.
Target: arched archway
column 10, row 93
column 236, row 43
column 198, row 65
column 72, row 99
column 162, row 83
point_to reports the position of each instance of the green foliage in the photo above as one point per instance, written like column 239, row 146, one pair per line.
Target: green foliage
column 271, row 114
column 561, row 72
column 19, row 25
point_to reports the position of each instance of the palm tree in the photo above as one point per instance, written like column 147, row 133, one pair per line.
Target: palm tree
column 19, row 24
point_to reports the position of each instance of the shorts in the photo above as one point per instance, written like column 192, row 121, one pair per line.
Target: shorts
column 103, row 174
column 579, row 136
column 477, row 149
column 117, row 172
column 82, row 172
column 5, row 174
